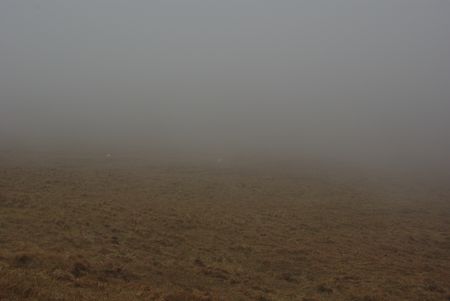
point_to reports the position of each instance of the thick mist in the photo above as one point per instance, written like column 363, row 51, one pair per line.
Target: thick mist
column 366, row 82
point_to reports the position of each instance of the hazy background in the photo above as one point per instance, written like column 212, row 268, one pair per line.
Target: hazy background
column 357, row 81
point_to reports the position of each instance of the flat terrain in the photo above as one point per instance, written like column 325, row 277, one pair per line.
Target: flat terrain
column 140, row 232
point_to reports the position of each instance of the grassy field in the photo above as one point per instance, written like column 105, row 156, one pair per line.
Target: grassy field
column 81, row 231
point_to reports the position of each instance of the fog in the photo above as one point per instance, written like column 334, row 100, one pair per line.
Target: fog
column 364, row 82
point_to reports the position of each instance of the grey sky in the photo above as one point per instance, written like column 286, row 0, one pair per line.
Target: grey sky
column 350, row 79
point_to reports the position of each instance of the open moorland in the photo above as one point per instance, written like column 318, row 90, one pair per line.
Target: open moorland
column 81, row 230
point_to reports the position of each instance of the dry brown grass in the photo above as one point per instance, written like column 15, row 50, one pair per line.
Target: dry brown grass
column 105, row 233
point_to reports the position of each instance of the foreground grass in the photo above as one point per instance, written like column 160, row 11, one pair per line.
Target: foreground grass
column 215, row 234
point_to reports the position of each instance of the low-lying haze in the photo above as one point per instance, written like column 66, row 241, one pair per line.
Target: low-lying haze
column 358, row 81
